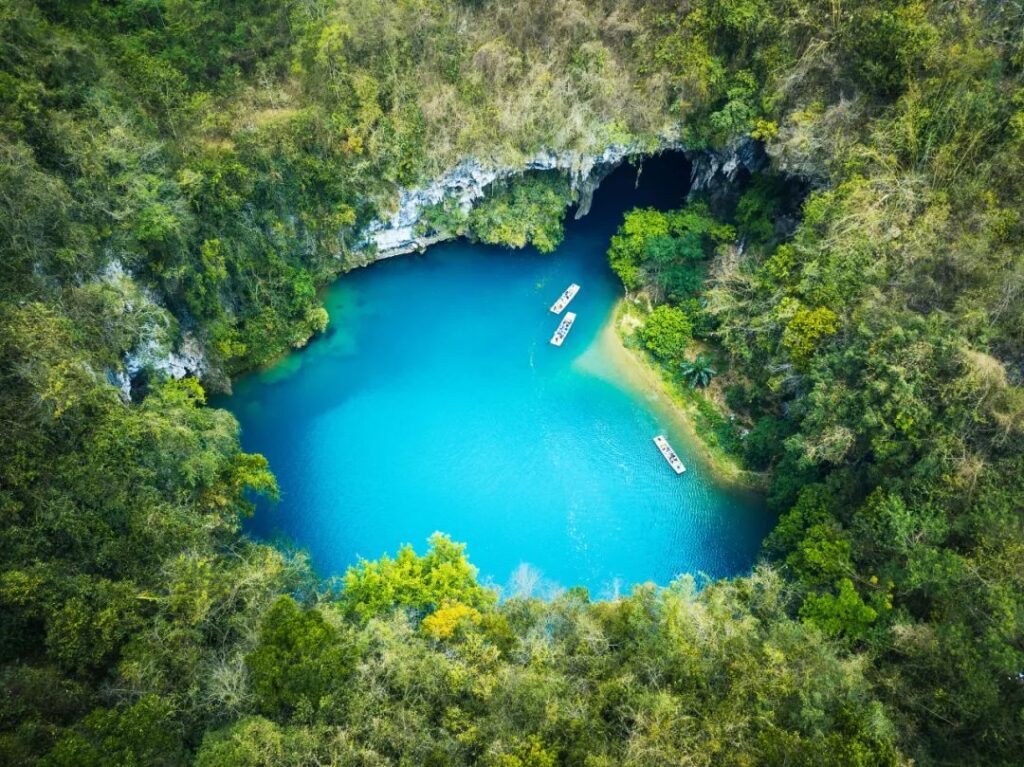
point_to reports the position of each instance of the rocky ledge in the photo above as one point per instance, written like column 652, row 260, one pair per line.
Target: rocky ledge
column 467, row 183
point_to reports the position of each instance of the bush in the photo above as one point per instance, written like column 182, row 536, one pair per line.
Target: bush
column 702, row 323
column 301, row 660
column 667, row 333
column 527, row 211
column 666, row 250
column 763, row 445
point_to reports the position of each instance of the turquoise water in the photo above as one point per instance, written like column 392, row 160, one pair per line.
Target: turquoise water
column 435, row 402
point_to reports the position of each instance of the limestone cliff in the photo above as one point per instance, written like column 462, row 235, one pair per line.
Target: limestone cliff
column 714, row 173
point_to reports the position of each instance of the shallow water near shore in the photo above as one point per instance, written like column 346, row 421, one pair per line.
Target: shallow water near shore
column 435, row 402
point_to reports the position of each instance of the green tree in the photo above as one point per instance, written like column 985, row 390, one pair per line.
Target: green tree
column 807, row 329
column 301, row 661
column 144, row 732
column 250, row 742
column 527, row 211
column 421, row 584
column 666, row 333
column 843, row 613
column 698, row 372
column 666, row 251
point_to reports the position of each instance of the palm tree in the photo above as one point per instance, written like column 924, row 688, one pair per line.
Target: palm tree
column 698, row 372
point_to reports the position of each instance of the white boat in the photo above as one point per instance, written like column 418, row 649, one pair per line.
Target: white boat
column 563, row 328
column 565, row 298
column 670, row 454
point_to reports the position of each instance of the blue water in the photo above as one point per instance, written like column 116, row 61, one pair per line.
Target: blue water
column 435, row 402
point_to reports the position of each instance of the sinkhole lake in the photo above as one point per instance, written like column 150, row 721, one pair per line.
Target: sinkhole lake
column 435, row 402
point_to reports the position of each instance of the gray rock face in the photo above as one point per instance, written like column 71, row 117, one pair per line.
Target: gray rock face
column 156, row 351
column 188, row 359
column 466, row 184
column 714, row 173
column 120, row 379
column 723, row 167
column 588, row 186
column 717, row 174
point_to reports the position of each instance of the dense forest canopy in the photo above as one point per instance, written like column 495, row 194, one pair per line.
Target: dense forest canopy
column 185, row 174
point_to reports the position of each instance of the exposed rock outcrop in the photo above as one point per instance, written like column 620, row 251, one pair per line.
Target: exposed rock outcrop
column 467, row 182
column 720, row 176
column 161, row 348
column 188, row 359
column 120, row 379
column 716, row 174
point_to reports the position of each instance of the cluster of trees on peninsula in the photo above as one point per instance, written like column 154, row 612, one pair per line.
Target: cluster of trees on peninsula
column 187, row 168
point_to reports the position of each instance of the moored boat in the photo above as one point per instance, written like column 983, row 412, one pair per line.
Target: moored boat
column 670, row 454
column 563, row 329
column 565, row 298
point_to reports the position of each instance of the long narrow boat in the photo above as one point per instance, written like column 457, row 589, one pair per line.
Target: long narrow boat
column 670, row 454
column 565, row 298
column 563, row 328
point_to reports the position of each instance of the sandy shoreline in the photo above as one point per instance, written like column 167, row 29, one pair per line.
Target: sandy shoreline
column 638, row 371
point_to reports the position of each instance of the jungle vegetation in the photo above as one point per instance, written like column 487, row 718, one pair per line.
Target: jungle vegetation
column 188, row 172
